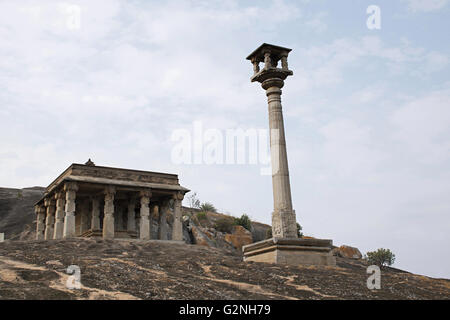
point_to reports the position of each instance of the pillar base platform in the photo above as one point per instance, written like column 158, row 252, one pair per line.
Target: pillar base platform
column 291, row 251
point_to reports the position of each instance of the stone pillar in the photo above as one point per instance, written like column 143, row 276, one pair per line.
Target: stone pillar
column 283, row 217
column 164, row 206
column 95, row 213
column 255, row 66
column 154, row 216
column 144, row 215
column 40, row 222
column 284, row 63
column 108, row 219
column 50, row 218
column 59, row 215
column 71, row 189
column 177, row 231
column 272, row 80
column 84, row 222
column 131, row 218
column 119, row 217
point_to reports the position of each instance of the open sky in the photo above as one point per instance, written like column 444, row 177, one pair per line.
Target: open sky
column 367, row 111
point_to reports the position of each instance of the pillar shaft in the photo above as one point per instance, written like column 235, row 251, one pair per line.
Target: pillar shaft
column 162, row 232
column 283, row 217
column 131, row 215
column 71, row 189
column 84, row 221
column 95, row 219
column 144, row 216
column 177, row 231
column 59, row 215
column 49, row 219
column 40, row 222
column 108, row 218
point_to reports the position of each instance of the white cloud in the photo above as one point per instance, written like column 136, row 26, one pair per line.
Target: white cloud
column 425, row 5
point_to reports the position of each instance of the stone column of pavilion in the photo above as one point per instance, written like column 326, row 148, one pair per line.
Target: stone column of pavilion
column 144, row 232
column 108, row 218
column 71, row 189
column 40, row 222
column 95, row 216
column 84, row 212
column 50, row 218
column 131, row 220
column 272, row 80
column 177, row 231
column 59, row 215
column 163, row 208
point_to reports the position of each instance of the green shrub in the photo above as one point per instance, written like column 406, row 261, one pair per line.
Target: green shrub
column 269, row 233
column 381, row 257
column 201, row 216
column 244, row 221
column 224, row 225
column 299, row 230
column 207, row 206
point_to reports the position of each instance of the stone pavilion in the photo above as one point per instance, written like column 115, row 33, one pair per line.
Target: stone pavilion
column 93, row 201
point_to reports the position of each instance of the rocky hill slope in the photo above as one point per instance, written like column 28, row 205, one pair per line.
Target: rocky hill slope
column 17, row 211
column 208, row 266
column 164, row 270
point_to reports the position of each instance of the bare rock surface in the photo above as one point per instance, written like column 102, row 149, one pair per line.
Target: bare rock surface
column 347, row 252
column 115, row 269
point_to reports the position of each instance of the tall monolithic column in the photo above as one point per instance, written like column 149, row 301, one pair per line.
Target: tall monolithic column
column 71, row 189
column 284, row 223
column 131, row 215
column 108, row 218
column 177, row 231
column 40, row 222
column 50, row 218
column 144, row 214
column 95, row 219
column 59, row 215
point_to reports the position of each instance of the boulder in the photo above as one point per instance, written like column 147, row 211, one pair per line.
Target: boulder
column 347, row 252
column 201, row 236
column 239, row 237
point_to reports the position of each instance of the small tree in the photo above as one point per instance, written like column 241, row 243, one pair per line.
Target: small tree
column 381, row 257
column 244, row 221
column 269, row 233
column 194, row 202
column 207, row 206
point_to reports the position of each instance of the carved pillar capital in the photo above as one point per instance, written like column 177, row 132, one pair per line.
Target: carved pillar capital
column 70, row 186
column 178, row 196
column 60, row 195
column 145, row 193
column 109, row 190
column 49, row 202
